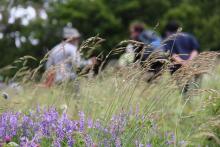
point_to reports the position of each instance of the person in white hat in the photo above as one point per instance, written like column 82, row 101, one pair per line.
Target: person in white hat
column 65, row 58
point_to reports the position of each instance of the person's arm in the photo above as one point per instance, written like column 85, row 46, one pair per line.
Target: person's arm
column 85, row 63
column 193, row 54
column 49, row 62
column 195, row 47
column 177, row 59
column 173, row 48
column 82, row 62
column 75, row 57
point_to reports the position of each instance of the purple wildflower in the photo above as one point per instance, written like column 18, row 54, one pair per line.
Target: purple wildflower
column 90, row 123
column 88, row 141
column 98, row 125
column 117, row 142
column 23, row 141
column 106, row 143
column 70, row 140
column 81, row 121
column 56, row 143
column 7, row 139
column 27, row 125
column 60, row 134
column 13, row 124
column 171, row 138
column 4, row 125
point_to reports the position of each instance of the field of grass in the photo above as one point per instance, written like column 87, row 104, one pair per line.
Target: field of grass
column 124, row 108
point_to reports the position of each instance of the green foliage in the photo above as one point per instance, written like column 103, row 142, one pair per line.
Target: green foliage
column 108, row 18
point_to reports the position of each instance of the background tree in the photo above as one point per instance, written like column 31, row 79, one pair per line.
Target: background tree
column 108, row 18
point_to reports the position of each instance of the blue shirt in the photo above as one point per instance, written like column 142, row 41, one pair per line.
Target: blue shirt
column 183, row 45
column 150, row 38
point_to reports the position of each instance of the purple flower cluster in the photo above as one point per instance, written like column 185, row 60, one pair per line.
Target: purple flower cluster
column 114, row 130
column 49, row 126
column 8, row 124
column 31, row 129
column 117, row 125
column 138, row 144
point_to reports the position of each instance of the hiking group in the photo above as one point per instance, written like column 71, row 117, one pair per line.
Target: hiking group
column 65, row 58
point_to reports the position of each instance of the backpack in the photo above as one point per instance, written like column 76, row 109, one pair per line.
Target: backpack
column 149, row 37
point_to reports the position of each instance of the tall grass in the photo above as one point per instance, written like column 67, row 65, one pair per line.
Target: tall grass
column 156, row 114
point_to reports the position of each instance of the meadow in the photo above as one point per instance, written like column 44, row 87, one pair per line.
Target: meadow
column 115, row 108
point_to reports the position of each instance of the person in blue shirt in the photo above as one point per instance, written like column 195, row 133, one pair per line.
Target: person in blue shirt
column 181, row 46
column 149, row 37
column 151, row 43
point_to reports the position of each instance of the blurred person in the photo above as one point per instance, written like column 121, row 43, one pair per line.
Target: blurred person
column 151, row 44
column 183, row 47
column 65, row 58
column 127, row 57
column 148, row 37
column 139, row 33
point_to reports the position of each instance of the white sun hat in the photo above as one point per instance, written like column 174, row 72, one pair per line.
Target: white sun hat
column 69, row 32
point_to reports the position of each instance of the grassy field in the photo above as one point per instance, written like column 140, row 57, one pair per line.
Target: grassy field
column 125, row 110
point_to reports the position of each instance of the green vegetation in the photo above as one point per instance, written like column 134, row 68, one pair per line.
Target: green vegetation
column 155, row 114
column 117, row 107
column 108, row 18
